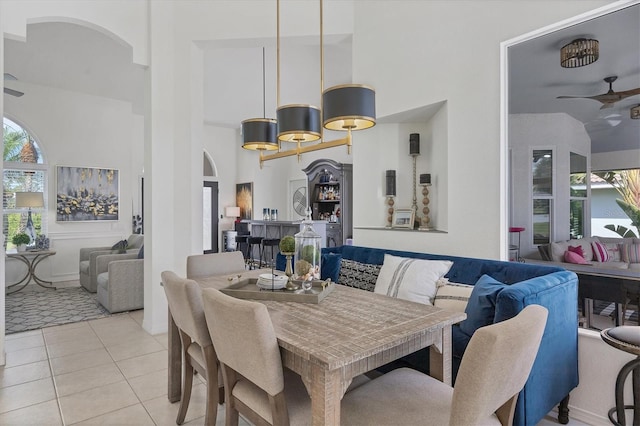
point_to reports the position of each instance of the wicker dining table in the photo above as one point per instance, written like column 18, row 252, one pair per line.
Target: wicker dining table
column 350, row 332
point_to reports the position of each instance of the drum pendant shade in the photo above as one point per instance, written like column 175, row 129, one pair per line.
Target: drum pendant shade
column 349, row 106
column 259, row 134
column 298, row 123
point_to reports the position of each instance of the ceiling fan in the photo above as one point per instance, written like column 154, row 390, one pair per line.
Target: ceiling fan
column 609, row 98
column 8, row 91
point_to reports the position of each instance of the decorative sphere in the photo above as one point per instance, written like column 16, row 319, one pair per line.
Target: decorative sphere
column 391, row 202
column 425, row 210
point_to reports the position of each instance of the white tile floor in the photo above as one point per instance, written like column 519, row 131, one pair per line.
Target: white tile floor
column 107, row 371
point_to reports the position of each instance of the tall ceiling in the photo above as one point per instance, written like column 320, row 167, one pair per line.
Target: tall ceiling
column 536, row 78
column 74, row 58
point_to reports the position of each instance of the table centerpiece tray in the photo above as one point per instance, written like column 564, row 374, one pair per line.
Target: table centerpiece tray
column 248, row 289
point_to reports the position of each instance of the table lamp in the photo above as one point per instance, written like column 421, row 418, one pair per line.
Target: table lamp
column 233, row 212
column 30, row 199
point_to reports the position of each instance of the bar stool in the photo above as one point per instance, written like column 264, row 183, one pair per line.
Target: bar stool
column 626, row 338
column 253, row 242
column 273, row 243
column 513, row 247
column 242, row 245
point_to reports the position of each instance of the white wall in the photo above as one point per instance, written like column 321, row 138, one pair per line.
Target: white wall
column 449, row 50
column 560, row 133
column 79, row 130
column 598, row 367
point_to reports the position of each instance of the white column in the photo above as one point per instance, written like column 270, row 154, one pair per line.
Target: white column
column 159, row 165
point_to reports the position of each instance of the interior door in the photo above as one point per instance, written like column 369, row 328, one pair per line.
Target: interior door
column 210, row 217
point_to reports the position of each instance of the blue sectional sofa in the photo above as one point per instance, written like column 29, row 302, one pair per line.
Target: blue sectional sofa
column 555, row 371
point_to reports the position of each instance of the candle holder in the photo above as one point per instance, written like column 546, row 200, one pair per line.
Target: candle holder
column 390, row 203
column 390, row 192
column 425, row 220
column 414, row 152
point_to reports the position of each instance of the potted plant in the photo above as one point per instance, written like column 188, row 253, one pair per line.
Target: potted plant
column 21, row 240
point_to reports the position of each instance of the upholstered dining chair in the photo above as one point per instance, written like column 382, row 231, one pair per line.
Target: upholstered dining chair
column 202, row 265
column 256, row 384
column 494, row 369
column 185, row 302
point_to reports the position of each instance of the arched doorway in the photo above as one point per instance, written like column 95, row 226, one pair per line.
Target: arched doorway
column 209, row 205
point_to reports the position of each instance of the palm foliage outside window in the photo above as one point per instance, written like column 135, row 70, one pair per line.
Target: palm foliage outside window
column 24, row 171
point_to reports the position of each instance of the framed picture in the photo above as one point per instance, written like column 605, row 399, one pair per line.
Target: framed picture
column 402, row 218
column 244, row 199
column 87, row 194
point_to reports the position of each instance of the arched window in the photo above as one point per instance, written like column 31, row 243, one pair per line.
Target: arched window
column 24, row 171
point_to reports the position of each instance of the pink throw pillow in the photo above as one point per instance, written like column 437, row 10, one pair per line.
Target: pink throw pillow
column 577, row 249
column 600, row 253
column 573, row 257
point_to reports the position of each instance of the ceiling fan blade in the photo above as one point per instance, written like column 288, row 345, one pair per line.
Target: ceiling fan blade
column 12, row 92
column 8, row 76
column 572, row 97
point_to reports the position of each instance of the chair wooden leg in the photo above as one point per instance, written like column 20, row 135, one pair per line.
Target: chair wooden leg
column 187, row 378
column 231, row 416
column 211, row 361
column 187, row 382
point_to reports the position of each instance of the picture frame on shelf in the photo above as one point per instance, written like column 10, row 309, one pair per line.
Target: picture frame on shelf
column 403, row 218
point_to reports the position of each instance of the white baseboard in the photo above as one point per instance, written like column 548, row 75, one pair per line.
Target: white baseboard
column 587, row 417
column 71, row 276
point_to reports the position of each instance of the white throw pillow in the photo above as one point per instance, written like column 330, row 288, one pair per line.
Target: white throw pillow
column 411, row 279
column 452, row 296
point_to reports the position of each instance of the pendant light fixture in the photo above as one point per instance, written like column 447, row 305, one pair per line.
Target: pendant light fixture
column 345, row 107
column 260, row 133
column 579, row 52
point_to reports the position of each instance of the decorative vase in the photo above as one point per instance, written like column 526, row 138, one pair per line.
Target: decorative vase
column 21, row 247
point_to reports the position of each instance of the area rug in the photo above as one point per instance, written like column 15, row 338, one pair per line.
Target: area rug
column 28, row 310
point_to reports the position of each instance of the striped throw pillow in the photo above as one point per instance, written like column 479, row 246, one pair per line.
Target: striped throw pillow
column 452, row 296
column 600, row 253
column 630, row 253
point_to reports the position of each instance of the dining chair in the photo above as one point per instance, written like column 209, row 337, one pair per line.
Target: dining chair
column 185, row 302
column 493, row 371
column 203, row 265
column 256, row 384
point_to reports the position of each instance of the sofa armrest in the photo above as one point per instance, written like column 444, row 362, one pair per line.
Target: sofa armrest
column 86, row 251
column 125, row 289
column 103, row 260
column 555, row 370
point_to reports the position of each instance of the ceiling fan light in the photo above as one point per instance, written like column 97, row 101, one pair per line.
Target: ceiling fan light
column 349, row 107
column 259, row 134
column 634, row 112
column 579, row 52
column 298, row 123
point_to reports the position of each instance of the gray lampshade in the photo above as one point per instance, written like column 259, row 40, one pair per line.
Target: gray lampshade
column 349, row 106
column 259, row 134
column 29, row 199
column 298, row 123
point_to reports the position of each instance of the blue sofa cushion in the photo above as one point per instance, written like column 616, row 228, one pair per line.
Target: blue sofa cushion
column 330, row 267
column 481, row 307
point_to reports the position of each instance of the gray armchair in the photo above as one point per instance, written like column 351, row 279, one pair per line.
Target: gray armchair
column 88, row 255
column 120, row 282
